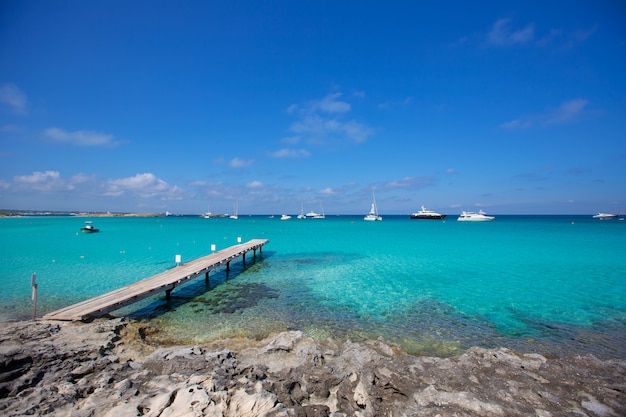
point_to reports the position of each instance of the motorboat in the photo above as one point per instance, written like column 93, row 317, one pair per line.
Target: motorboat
column 605, row 216
column 373, row 216
column 285, row 217
column 425, row 214
column 314, row 215
column 471, row 216
column 89, row 228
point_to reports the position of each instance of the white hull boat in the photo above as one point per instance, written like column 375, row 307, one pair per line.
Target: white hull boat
column 605, row 216
column 425, row 214
column 470, row 216
column 373, row 216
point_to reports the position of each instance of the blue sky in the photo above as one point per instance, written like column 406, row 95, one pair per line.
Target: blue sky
column 510, row 107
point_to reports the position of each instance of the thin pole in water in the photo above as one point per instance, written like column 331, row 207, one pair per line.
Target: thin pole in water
column 34, row 296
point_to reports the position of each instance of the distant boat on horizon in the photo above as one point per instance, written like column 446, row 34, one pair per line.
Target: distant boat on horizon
column 425, row 214
column 373, row 214
column 313, row 215
column 236, row 215
column 605, row 216
column 470, row 216
column 301, row 215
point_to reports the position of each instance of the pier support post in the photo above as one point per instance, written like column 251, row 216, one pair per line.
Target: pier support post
column 206, row 278
column 168, row 295
column 244, row 259
column 227, row 268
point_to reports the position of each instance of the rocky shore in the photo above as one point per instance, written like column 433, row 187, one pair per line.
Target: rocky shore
column 105, row 368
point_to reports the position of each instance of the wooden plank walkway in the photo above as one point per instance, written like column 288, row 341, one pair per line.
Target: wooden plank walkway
column 163, row 282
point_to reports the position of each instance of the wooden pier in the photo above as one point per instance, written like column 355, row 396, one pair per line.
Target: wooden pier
column 163, row 282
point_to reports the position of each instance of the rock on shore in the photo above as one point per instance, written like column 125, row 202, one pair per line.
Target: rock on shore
column 104, row 369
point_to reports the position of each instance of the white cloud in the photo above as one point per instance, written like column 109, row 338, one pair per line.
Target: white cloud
column 330, row 104
column 240, row 163
column 516, row 124
column 502, row 35
column 145, row 185
column 322, row 121
column 290, row 153
column 11, row 95
column 79, row 138
column 46, row 181
column 319, row 128
column 328, row 191
column 254, row 184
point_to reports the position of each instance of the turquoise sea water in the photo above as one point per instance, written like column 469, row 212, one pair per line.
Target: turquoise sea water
column 549, row 284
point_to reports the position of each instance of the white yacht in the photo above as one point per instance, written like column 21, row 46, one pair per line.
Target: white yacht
column 425, row 214
column 605, row 216
column 471, row 216
column 285, row 217
column 373, row 216
column 313, row 215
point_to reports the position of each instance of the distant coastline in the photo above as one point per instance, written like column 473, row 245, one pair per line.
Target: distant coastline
column 38, row 213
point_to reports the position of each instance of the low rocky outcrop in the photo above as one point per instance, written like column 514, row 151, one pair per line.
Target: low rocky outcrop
column 105, row 369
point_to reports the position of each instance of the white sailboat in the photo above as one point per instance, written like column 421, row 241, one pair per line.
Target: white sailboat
column 302, row 215
column 236, row 215
column 373, row 214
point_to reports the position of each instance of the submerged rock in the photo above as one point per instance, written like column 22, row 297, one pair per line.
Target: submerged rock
column 77, row 369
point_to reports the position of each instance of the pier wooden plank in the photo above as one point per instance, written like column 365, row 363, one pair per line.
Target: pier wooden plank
column 162, row 282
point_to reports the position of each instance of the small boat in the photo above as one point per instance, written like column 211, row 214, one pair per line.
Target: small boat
column 605, row 216
column 302, row 215
column 236, row 215
column 285, row 217
column 373, row 216
column 89, row 228
column 425, row 214
column 313, row 215
column 470, row 216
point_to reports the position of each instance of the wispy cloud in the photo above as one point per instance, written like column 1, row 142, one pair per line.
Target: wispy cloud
column 79, row 137
column 411, row 182
column 395, row 103
column 12, row 96
column 145, row 185
column 254, row 184
column 567, row 112
column 46, row 181
column 332, row 104
column 502, row 34
column 324, row 120
column 290, row 153
column 240, row 163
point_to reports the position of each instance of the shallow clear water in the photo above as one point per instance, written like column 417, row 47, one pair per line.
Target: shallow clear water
column 553, row 284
